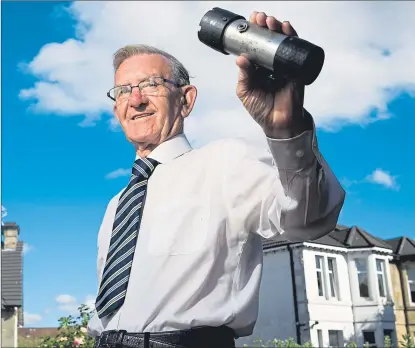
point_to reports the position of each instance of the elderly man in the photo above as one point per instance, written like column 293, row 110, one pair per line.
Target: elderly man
column 184, row 271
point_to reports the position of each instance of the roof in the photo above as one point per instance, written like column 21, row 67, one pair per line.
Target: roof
column 343, row 237
column 403, row 247
column 37, row 331
column 12, row 276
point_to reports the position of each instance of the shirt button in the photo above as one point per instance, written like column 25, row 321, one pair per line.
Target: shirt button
column 299, row 153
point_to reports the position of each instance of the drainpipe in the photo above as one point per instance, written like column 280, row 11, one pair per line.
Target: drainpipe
column 15, row 326
column 404, row 297
column 297, row 321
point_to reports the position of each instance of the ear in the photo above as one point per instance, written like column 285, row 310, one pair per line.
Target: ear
column 188, row 100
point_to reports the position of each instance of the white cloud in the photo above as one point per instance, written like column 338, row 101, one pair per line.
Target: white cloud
column 378, row 177
column 74, row 76
column 118, row 173
column 65, row 299
column 90, row 301
column 4, row 213
column 70, row 305
column 26, row 248
column 30, row 318
column 383, row 178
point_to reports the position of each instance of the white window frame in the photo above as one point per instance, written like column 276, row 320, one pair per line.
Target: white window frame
column 409, row 282
column 367, row 276
column 381, row 273
column 339, row 334
column 320, row 270
column 320, row 338
column 332, row 274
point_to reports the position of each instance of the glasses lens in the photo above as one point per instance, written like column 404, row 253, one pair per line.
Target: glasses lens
column 120, row 92
column 151, row 86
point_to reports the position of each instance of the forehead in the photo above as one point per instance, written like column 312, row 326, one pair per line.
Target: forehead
column 137, row 68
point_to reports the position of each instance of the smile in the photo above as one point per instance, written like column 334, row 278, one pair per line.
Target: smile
column 136, row 117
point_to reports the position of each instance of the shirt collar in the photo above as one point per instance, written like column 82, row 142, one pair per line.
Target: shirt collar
column 171, row 149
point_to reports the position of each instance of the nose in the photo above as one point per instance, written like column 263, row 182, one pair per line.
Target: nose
column 137, row 98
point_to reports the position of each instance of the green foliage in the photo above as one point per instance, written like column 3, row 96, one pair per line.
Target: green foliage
column 289, row 343
column 72, row 332
column 351, row 344
column 406, row 342
column 28, row 342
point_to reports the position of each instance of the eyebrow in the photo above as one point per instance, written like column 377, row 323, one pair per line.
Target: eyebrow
column 130, row 84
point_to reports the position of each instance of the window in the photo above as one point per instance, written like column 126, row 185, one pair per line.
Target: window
column 335, row 338
column 411, row 283
column 361, row 267
column 369, row 338
column 388, row 333
column 381, row 275
column 320, row 338
column 332, row 276
column 319, row 270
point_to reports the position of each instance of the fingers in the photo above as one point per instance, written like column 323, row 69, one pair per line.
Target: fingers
column 270, row 22
column 273, row 24
column 288, row 30
column 243, row 63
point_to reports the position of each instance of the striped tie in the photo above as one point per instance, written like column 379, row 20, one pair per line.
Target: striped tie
column 120, row 255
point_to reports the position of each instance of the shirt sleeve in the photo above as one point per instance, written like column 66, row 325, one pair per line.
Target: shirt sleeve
column 288, row 190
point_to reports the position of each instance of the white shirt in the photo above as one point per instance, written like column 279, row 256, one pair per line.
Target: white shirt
column 198, row 259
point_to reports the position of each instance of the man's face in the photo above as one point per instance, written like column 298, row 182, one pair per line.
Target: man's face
column 147, row 119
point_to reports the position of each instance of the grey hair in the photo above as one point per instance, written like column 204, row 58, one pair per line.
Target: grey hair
column 179, row 73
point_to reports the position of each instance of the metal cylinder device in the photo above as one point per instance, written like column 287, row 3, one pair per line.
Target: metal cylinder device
column 288, row 56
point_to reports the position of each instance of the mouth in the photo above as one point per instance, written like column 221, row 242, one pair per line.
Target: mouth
column 144, row 114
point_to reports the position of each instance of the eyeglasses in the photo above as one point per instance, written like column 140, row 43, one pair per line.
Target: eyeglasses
column 148, row 87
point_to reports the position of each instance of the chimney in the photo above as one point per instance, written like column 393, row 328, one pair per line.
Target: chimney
column 10, row 232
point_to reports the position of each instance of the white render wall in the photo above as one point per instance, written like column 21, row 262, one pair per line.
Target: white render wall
column 330, row 313
column 350, row 314
column 276, row 303
column 376, row 313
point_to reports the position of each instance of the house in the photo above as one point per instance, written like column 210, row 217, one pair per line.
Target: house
column 37, row 332
column 402, row 269
column 329, row 291
column 11, row 284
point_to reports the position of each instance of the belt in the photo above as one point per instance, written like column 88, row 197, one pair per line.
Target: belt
column 201, row 337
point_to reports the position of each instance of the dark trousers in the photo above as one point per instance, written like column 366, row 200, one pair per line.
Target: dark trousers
column 202, row 337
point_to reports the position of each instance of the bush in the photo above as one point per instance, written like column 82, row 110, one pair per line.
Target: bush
column 406, row 342
column 72, row 332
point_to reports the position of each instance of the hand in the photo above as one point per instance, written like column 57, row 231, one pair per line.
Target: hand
column 277, row 108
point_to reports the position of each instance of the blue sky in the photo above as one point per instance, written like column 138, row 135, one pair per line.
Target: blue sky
column 57, row 153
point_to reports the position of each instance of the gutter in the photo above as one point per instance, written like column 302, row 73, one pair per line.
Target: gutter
column 404, row 297
column 294, row 286
column 16, row 320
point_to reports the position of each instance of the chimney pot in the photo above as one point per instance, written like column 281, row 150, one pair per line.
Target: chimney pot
column 10, row 232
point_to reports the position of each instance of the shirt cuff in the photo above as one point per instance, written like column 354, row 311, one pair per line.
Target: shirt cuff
column 294, row 153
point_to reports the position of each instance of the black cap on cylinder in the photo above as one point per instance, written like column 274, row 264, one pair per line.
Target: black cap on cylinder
column 213, row 25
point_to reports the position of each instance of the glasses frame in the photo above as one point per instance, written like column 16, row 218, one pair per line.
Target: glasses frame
column 178, row 85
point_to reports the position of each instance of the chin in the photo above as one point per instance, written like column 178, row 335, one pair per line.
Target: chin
column 137, row 138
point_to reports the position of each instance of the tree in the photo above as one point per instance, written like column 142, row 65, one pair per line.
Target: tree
column 72, row 332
